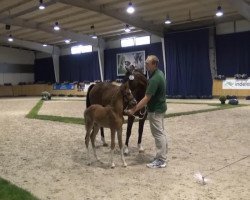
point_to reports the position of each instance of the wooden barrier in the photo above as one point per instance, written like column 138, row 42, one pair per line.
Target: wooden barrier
column 36, row 90
column 218, row 91
column 6, row 91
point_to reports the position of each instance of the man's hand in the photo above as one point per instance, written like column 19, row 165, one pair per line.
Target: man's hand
column 130, row 111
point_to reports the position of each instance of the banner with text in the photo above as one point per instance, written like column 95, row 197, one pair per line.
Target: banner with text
column 236, row 84
column 64, row 86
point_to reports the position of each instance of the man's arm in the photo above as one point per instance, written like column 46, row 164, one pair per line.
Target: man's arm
column 140, row 105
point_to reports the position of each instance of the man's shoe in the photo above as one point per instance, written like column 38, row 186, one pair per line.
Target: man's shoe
column 158, row 163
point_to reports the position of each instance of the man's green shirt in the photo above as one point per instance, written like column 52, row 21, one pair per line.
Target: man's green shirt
column 157, row 89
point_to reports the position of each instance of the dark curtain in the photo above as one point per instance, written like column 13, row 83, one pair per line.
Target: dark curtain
column 110, row 71
column 44, row 70
column 233, row 54
column 80, row 67
column 187, row 57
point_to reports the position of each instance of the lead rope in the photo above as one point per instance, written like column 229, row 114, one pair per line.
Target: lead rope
column 137, row 117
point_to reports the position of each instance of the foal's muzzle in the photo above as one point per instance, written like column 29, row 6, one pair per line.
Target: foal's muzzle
column 132, row 102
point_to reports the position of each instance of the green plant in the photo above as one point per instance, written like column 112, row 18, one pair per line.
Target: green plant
column 46, row 95
column 222, row 99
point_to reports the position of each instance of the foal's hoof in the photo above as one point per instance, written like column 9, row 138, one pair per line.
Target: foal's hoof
column 88, row 163
column 125, row 165
column 112, row 166
column 105, row 144
column 141, row 150
column 125, row 150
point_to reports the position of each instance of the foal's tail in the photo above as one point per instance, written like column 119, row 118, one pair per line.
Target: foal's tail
column 87, row 98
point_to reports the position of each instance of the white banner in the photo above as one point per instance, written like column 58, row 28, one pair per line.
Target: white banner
column 238, row 84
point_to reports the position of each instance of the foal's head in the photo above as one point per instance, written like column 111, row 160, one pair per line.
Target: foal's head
column 128, row 98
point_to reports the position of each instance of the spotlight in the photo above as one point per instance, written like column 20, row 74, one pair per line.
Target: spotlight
column 56, row 26
column 93, row 36
column 130, row 8
column 41, row 5
column 10, row 38
column 219, row 11
column 168, row 21
column 127, row 29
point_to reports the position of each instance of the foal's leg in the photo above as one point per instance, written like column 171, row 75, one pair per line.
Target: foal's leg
column 89, row 127
column 93, row 136
column 103, row 138
column 112, row 147
column 119, row 136
column 128, row 133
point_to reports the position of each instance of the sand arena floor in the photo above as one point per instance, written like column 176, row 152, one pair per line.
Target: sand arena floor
column 49, row 158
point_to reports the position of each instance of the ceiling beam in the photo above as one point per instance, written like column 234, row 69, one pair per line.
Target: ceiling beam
column 31, row 45
column 5, row 19
column 29, row 10
column 242, row 7
column 131, row 20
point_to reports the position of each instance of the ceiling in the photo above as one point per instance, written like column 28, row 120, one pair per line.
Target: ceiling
column 109, row 17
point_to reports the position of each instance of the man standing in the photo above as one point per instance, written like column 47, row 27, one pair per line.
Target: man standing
column 155, row 99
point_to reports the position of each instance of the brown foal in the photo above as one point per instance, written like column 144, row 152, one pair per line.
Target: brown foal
column 110, row 116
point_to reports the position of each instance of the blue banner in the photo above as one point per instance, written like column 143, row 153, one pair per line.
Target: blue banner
column 64, row 86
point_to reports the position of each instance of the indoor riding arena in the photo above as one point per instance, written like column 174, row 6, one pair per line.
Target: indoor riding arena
column 52, row 54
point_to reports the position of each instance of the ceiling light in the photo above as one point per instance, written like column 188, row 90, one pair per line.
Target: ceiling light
column 67, row 41
column 56, row 26
column 219, row 11
column 127, row 29
column 41, row 5
column 168, row 21
column 10, row 38
column 130, row 8
column 45, row 45
column 94, row 36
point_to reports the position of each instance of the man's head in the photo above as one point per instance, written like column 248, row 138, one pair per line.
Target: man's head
column 151, row 63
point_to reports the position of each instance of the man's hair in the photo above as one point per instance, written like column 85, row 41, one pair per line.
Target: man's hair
column 153, row 59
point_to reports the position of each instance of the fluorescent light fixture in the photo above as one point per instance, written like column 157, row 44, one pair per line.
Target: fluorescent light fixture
column 219, row 11
column 127, row 29
column 94, row 36
column 67, row 41
column 41, row 5
column 130, row 8
column 10, row 38
column 45, row 45
column 56, row 26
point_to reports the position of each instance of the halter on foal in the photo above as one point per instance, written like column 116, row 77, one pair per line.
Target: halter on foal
column 111, row 116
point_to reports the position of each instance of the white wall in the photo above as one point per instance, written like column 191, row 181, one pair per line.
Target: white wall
column 40, row 55
column 15, row 78
column 117, row 43
column 233, row 27
column 16, row 56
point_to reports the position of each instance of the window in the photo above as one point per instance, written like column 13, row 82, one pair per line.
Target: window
column 135, row 41
column 127, row 42
column 81, row 49
column 142, row 40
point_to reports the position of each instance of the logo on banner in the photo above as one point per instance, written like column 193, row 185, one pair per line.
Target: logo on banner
column 236, row 84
